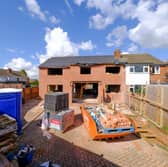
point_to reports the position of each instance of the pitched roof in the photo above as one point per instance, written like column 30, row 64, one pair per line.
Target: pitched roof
column 60, row 62
column 141, row 58
column 12, row 74
column 78, row 60
column 9, row 72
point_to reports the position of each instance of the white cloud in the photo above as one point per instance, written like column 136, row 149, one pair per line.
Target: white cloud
column 116, row 36
column 34, row 9
column 99, row 21
column 124, row 53
column 102, row 19
column 133, row 48
column 54, row 20
column 20, row 63
column 109, row 11
column 59, row 44
column 152, row 29
column 88, row 45
column 20, row 8
column 78, row 2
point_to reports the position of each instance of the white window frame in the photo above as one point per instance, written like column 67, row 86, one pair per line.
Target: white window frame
column 132, row 87
column 146, row 68
column 132, row 67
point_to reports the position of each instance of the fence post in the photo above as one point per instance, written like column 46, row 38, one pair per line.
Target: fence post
column 144, row 106
column 161, row 110
column 141, row 101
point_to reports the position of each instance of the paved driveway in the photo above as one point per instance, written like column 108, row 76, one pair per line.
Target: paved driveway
column 74, row 148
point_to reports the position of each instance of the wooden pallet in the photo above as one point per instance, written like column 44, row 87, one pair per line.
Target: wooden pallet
column 8, row 137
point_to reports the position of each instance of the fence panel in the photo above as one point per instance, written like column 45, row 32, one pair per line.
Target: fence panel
column 152, row 104
column 30, row 93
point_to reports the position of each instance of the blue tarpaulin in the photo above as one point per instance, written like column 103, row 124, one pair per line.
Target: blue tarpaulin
column 11, row 104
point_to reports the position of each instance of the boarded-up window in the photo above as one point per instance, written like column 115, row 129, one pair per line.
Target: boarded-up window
column 85, row 70
column 112, row 88
column 55, row 71
column 113, row 70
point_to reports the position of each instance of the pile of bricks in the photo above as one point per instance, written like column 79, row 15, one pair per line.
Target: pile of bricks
column 117, row 120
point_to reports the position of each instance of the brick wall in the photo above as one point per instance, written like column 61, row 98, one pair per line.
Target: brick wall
column 72, row 74
column 160, row 78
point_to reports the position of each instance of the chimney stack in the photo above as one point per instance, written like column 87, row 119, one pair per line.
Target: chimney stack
column 117, row 54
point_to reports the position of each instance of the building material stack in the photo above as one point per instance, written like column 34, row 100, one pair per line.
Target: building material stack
column 56, row 102
column 8, row 137
column 57, row 111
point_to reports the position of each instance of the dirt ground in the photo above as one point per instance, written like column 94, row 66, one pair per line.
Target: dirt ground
column 74, row 148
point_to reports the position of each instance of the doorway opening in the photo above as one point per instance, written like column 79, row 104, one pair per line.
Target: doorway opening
column 84, row 90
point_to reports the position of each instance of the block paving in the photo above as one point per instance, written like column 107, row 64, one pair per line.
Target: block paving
column 74, row 148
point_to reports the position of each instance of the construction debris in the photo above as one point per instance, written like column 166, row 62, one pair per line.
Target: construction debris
column 117, row 120
column 109, row 122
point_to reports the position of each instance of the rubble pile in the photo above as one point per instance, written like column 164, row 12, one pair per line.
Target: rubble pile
column 115, row 121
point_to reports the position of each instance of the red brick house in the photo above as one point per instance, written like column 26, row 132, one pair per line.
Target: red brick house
column 98, row 77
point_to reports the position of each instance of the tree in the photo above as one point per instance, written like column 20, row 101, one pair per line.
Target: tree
column 23, row 72
column 34, row 83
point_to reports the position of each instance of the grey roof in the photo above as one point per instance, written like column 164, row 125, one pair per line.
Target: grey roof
column 78, row 60
column 61, row 62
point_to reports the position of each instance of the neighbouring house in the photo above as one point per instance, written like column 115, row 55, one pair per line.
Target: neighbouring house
column 105, row 78
column 141, row 69
column 10, row 78
column 159, row 74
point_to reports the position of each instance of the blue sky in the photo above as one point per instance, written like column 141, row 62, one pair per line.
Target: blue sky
column 33, row 30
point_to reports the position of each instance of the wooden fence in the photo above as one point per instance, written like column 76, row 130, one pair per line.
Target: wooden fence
column 11, row 85
column 27, row 93
column 152, row 103
column 30, row 93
